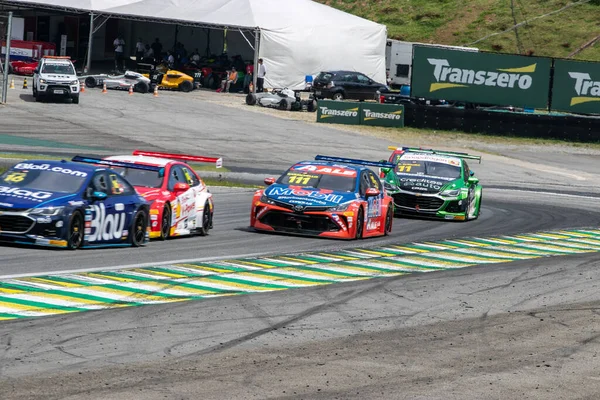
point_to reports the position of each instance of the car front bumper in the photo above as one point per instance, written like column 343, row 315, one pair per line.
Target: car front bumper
column 430, row 206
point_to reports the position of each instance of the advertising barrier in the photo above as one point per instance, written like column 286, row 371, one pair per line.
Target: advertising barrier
column 338, row 112
column 485, row 78
column 390, row 115
column 576, row 87
column 367, row 113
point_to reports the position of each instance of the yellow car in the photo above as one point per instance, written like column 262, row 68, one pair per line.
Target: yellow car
column 170, row 79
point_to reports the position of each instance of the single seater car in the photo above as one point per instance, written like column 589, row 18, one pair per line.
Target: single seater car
column 180, row 203
column 433, row 183
column 170, row 79
column 330, row 197
column 70, row 205
column 141, row 84
column 284, row 99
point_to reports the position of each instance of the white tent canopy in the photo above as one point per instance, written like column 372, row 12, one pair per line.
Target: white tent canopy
column 297, row 37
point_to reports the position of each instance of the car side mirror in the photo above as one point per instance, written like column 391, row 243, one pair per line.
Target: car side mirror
column 471, row 173
column 36, row 71
column 269, row 181
column 98, row 195
column 372, row 192
column 181, row 187
column 370, row 81
column 472, row 180
column 385, row 171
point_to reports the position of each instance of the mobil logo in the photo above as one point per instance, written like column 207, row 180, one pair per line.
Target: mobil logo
column 106, row 227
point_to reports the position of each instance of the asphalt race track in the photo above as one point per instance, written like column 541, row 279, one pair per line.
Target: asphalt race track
column 526, row 329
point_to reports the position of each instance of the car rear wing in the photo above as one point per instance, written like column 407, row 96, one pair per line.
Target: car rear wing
column 380, row 164
column 182, row 157
column 440, row 152
column 112, row 163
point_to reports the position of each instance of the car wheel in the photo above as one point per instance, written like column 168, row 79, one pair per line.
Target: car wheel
column 141, row 87
column 75, row 232
column 311, row 106
column 338, row 96
column 206, row 220
column 389, row 218
column 186, row 86
column 75, row 99
column 91, row 82
column 478, row 207
column 137, row 233
column 285, row 104
column 251, row 99
column 212, row 83
column 165, row 223
column 359, row 224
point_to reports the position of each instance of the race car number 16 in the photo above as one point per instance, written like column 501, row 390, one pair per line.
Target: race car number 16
column 15, row 177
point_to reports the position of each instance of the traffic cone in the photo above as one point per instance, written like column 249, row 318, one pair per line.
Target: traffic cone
column 130, row 90
column 82, row 89
column 104, row 88
column 12, row 83
column 156, row 91
column 25, row 83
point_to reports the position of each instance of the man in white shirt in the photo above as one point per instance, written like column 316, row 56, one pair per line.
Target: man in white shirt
column 139, row 50
column 119, row 44
column 260, row 76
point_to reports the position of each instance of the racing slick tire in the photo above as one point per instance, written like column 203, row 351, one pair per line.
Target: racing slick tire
column 186, row 86
column 206, row 220
column 141, row 87
column 75, row 231
column 91, row 82
column 137, row 233
column 285, row 104
column 165, row 223
column 338, row 96
column 474, row 217
column 389, row 219
column 212, row 83
column 75, row 99
column 359, row 224
column 251, row 99
column 311, row 106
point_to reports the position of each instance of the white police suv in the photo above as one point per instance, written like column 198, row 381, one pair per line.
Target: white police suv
column 55, row 77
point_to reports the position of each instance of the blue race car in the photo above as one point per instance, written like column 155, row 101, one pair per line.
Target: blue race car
column 71, row 205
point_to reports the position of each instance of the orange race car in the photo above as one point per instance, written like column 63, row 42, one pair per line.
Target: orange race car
column 330, row 197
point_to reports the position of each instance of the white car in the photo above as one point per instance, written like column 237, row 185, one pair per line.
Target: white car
column 55, row 77
column 139, row 82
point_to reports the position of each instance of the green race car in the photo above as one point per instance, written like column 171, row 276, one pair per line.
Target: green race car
column 432, row 183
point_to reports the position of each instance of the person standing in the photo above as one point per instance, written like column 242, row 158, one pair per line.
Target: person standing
column 139, row 50
column 260, row 76
column 119, row 45
column 157, row 48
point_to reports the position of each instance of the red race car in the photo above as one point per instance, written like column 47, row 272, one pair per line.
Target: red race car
column 23, row 67
column 180, row 203
column 330, row 197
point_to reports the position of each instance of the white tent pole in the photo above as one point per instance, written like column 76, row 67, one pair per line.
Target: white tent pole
column 7, row 57
column 256, row 49
column 88, row 64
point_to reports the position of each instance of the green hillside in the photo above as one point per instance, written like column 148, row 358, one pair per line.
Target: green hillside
column 455, row 22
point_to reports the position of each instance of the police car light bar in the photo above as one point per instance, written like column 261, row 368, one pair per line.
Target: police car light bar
column 380, row 164
column 111, row 163
column 440, row 152
column 183, row 157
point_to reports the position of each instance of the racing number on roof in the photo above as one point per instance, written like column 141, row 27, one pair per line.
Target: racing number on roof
column 15, row 177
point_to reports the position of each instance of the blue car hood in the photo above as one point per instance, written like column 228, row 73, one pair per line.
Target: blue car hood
column 309, row 197
column 14, row 197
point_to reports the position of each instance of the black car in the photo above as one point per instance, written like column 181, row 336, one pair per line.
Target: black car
column 340, row 85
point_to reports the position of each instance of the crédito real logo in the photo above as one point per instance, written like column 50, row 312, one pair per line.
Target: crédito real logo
column 586, row 88
column 283, row 192
column 448, row 77
column 327, row 112
column 370, row 115
column 47, row 167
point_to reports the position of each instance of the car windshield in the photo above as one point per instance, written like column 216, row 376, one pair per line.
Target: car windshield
column 336, row 183
column 59, row 181
column 428, row 168
column 140, row 177
column 65, row 69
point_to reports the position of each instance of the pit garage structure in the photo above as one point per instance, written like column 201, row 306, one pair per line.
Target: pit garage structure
column 296, row 38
